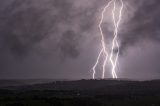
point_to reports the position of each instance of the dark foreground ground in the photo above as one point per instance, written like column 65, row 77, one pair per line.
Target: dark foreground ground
column 83, row 93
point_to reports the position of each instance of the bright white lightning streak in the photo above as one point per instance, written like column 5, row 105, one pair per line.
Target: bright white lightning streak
column 115, row 41
column 94, row 67
column 103, row 50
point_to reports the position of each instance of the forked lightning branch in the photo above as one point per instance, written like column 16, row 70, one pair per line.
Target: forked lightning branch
column 110, row 57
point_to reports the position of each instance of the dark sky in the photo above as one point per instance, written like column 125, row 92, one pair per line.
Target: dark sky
column 61, row 39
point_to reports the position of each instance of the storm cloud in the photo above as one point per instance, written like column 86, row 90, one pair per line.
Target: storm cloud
column 144, row 24
column 35, row 29
column 60, row 38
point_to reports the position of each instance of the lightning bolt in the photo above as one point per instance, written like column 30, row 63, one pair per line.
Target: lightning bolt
column 114, row 43
column 115, row 39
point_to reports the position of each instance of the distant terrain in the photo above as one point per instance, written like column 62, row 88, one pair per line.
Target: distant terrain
column 80, row 93
column 19, row 82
